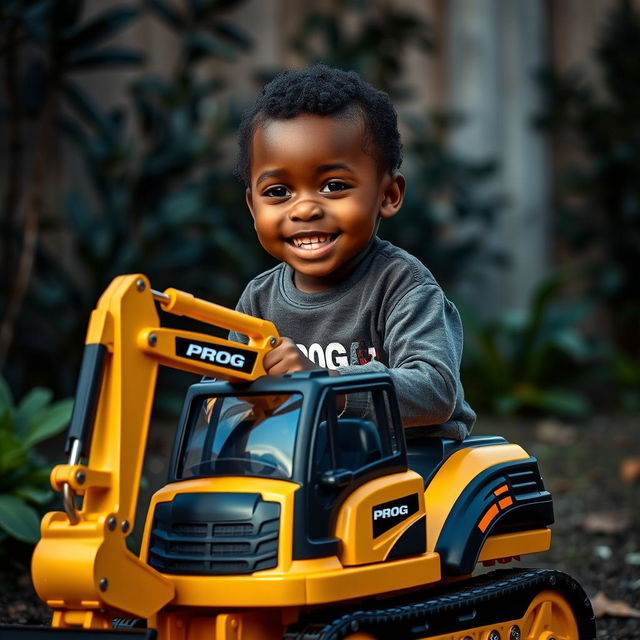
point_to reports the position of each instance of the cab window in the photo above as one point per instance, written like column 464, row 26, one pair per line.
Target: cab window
column 355, row 431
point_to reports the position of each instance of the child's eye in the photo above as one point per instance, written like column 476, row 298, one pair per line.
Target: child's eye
column 277, row 191
column 334, row 185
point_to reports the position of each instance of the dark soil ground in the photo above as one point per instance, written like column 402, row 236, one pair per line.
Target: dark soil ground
column 593, row 472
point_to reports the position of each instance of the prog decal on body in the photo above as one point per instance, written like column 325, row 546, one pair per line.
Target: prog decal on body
column 229, row 357
column 387, row 515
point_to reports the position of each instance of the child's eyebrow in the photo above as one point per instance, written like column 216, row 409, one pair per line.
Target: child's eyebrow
column 265, row 175
column 333, row 167
column 323, row 168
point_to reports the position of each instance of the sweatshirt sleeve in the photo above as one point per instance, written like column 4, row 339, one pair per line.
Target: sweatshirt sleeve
column 423, row 340
column 243, row 306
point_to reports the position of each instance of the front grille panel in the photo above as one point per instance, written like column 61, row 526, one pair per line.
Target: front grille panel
column 191, row 531
column 215, row 534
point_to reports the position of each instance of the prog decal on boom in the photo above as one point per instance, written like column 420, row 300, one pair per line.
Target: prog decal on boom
column 230, row 357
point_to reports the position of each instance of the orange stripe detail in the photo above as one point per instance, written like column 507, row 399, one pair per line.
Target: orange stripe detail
column 490, row 514
column 505, row 502
column 501, row 489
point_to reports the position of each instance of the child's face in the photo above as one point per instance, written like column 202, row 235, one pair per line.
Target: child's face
column 316, row 196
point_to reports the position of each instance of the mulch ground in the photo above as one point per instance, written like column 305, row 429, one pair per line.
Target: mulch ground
column 593, row 472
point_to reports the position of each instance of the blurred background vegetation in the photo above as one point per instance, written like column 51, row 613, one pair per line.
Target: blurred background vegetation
column 91, row 188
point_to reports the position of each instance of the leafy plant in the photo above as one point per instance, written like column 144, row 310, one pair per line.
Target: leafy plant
column 599, row 196
column 530, row 360
column 156, row 194
column 24, row 475
column 43, row 43
column 376, row 49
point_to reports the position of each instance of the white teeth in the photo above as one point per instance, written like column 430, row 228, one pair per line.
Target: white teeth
column 311, row 242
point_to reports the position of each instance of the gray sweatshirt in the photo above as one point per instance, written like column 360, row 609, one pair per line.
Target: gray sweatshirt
column 390, row 315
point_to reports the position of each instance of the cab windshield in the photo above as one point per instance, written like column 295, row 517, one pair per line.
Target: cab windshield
column 241, row 435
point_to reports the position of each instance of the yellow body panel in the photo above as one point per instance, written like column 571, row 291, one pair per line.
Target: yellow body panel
column 69, row 567
column 308, row 582
column 303, row 582
column 518, row 543
column 354, row 522
column 455, row 474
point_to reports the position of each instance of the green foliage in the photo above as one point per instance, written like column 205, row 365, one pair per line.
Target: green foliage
column 530, row 360
column 376, row 49
column 24, row 476
column 157, row 195
column 599, row 213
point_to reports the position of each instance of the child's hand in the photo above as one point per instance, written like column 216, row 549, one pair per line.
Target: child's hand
column 286, row 358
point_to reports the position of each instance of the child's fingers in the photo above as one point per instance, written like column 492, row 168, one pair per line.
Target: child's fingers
column 279, row 353
column 285, row 358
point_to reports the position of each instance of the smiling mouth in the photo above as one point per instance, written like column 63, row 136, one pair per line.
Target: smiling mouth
column 313, row 241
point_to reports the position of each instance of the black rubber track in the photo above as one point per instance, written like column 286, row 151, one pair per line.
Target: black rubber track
column 492, row 598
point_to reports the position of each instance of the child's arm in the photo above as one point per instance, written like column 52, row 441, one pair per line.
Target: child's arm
column 423, row 340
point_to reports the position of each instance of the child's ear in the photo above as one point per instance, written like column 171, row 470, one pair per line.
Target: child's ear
column 249, row 197
column 393, row 195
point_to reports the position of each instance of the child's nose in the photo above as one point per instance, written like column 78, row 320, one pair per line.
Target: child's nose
column 306, row 210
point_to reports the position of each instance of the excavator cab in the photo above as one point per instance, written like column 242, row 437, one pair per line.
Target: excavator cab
column 292, row 429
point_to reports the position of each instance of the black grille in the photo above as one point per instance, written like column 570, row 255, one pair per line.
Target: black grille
column 215, row 534
column 525, row 484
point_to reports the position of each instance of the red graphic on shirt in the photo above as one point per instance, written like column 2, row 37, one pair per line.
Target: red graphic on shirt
column 361, row 353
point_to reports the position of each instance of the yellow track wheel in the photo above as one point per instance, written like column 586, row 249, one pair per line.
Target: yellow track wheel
column 549, row 617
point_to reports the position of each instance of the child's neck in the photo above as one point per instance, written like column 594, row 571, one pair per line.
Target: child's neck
column 317, row 284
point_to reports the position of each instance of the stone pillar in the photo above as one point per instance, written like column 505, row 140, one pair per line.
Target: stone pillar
column 494, row 48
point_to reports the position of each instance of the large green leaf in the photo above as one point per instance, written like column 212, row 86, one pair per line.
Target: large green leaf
column 48, row 423
column 13, row 454
column 36, row 20
column 167, row 12
column 203, row 44
column 90, row 34
column 234, row 34
column 30, row 405
column 86, row 107
column 18, row 519
column 109, row 57
column 6, row 400
column 34, row 494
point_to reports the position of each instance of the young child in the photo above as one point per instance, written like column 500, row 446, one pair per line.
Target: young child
column 319, row 154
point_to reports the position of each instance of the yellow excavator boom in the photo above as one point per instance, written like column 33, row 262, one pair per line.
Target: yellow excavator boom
column 124, row 346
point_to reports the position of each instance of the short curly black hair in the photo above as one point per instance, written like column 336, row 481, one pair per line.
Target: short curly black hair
column 324, row 91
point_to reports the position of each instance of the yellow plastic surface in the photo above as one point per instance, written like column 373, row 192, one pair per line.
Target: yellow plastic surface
column 258, row 331
column 299, row 582
column 87, row 566
column 518, row 543
column 354, row 523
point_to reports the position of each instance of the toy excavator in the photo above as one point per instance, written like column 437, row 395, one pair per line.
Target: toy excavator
column 284, row 516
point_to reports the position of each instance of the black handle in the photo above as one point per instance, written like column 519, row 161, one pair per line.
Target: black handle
column 86, row 399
